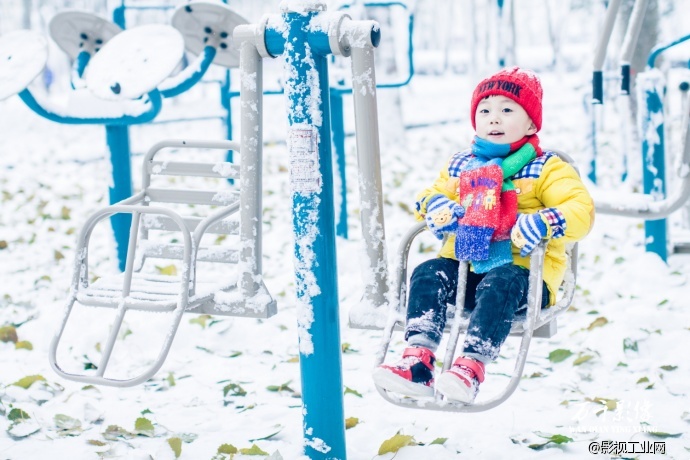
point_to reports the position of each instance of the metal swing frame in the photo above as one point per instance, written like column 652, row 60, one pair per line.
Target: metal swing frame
column 538, row 322
column 137, row 291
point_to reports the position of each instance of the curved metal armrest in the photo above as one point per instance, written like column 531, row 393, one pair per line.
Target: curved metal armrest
column 401, row 266
column 80, row 277
column 81, row 266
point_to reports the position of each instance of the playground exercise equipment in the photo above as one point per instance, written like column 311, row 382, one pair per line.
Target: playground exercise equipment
column 208, row 26
column 85, row 108
column 129, row 74
column 154, row 50
column 538, row 322
column 152, row 210
column 632, row 33
column 338, row 118
column 337, row 112
column 81, row 35
column 628, row 48
column 120, row 11
column 652, row 206
column 600, row 53
column 23, row 55
column 312, row 34
column 201, row 23
column 23, row 46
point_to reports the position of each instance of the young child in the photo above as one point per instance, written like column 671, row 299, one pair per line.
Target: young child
column 503, row 188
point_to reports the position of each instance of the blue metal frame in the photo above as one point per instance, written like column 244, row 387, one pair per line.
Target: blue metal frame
column 208, row 54
column 80, row 64
column 659, row 49
column 337, row 115
column 315, row 251
column 117, row 128
column 654, row 171
column 653, row 157
column 120, row 19
column 117, row 139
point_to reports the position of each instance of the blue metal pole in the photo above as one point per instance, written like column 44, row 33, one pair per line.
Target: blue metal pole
column 654, row 171
column 592, row 173
column 225, row 102
column 119, row 15
column 501, row 58
column 80, row 63
column 338, row 122
column 117, row 137
column 309, row 146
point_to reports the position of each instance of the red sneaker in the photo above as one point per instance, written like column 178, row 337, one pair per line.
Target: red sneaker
column 413, row 375
column 461, row 381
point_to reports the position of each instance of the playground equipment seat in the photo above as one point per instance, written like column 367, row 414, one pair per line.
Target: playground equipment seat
column 155, row 209
column 537, row 322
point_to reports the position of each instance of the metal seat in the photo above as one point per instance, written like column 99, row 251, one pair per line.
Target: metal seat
column 537, row 322
column 238, row 292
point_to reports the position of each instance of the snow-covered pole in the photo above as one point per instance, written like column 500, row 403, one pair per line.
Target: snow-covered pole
column 300, row 34
column 358, row 40
column 305, row 35
column 643, row 206
column 600, row 53
column 651, row 91
column 251, row 150
column 632, row 33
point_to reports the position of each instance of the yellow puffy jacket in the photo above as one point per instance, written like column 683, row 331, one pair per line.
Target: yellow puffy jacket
column 545, row 182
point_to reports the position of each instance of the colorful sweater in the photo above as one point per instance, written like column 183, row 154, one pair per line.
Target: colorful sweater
column 545, row 182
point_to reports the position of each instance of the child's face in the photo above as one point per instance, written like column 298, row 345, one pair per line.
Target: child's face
column 502, row 120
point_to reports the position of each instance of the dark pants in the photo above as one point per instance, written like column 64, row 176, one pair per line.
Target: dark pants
column 493, row 299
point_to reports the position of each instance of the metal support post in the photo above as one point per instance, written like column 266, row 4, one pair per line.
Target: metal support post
column 305, row 35
column 630, row 42
column 309, row 149
column 369, row 164
column 338, row 124
column 653, row 156
column 226, row 103
column 251, row 151
column 600, row 53
column 117, row 138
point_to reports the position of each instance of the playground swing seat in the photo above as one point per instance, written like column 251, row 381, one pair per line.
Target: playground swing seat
column 152, row 210
column 537, row 322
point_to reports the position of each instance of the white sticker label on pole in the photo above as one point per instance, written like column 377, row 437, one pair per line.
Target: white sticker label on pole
column 303, row 150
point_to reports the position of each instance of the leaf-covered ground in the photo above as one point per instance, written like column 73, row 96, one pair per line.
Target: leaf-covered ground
column 616, row 371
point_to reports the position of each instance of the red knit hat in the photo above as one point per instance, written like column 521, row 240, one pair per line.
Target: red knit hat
column 522, row 86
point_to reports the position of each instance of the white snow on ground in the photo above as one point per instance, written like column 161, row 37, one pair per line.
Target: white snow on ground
column 627, row 378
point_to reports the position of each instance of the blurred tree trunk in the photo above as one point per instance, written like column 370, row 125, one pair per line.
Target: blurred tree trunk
column 26, row 15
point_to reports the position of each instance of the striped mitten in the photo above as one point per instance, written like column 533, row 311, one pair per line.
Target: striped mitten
column 528, row 231
column 442, row 215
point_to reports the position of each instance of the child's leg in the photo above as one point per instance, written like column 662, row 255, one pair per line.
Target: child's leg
column 500, row 295
column 432, row 287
